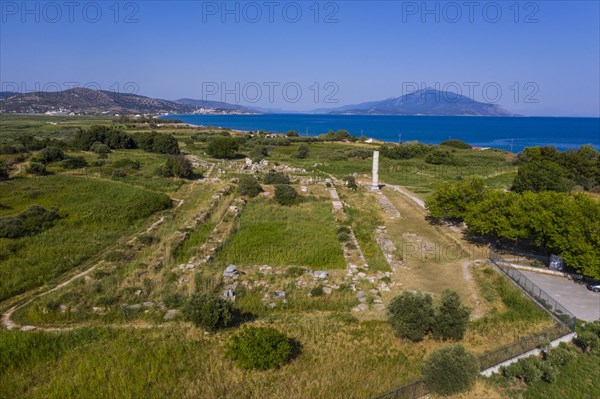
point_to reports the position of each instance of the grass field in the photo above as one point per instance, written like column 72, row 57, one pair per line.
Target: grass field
column 270, row 234
column 416, row 174
column 94, row 213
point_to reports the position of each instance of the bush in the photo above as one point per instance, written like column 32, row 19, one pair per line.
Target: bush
column 50, row 154
column 456, row 144
column 285, row 194
column 343, row 237
column 302, row 152
column 30, row 222
column 126, row 163
column 100, row 148
column 208, row 311
column 343, row 229
column 259, row 348
column 405, row 151
column 158, row 143
column 450, row 370
column 248, row 185
column 587, row 341
column 108, row 135
column 177, row 166
column 3, row 172
column 411, row 315
column 273, row 177
column 350, row 182
column 36, row 168
column 222, row 147
column 74, row 163
column 441, row 157
column 317, row 291
column 451, row 317
column 560, row 356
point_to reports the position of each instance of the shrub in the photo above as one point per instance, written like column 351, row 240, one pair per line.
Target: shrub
column 294, row 271
column 222, row 147
column 456, row 144
column 411, row 315
column 450, row 370
column 259, row 348
column 259, row 153
column 350, row 182
column 159, row 143
column 100, row 148
column 440, row 157
column 177, row 166
column 108, row 135
column 343, row 229
column 126, row 163
column 248, row 185
column 30, row 222
column 50, row 154
column 350, row 245
column 3, row 172
column 74, row 163
column 36, row 168
column 560, row 356
column 119, row 173
column 451, row 317
column 174, row 300
column 302, row 152
column 273, row 177
column 587, row 341
column 208, row 311
column 317, row 291
column 343, row 237
column 285, row 194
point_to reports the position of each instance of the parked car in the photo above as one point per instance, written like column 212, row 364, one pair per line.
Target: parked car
column 594, row 286
column 578, row 278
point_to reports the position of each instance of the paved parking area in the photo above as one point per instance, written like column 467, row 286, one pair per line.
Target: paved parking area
column 584, row 304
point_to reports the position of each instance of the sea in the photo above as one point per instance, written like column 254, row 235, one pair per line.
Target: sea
column 505, row 133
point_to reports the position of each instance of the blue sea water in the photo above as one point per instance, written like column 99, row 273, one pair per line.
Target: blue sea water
column 504, row 133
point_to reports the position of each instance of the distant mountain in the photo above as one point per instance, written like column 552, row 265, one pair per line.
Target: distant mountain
column 89, row 101
column 424, row 102
column 7, row 94
column 216, row 105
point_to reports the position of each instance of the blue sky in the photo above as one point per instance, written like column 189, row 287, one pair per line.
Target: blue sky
column 534, row 58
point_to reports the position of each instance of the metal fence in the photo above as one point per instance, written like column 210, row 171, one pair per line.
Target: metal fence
column 566, row 324
column 414, row 390
column 523, row 345
column 560, row 313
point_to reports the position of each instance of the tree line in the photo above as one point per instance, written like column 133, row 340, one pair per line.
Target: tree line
column 567, row 224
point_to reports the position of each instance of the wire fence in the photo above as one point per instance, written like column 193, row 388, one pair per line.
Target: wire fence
column 549, row 304
column 566, row 323
column 413, row 390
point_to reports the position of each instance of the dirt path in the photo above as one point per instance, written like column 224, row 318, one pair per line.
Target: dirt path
column 7, row 321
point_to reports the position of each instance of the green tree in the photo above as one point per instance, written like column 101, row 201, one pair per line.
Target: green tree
column 451, row 200
column 274, row 177
column 285, row 194
column 451, row 317
column 50, row 154
column 441, row 157
column 248, row 185
column 36, row 168
column 456, row 144
column 292, row 133
column 302, row 152
column 259, row 348
column 541, row 176
column 208, row 311
column 177, row 166
column 411, row 315
column 450, row 370
column 222, row 147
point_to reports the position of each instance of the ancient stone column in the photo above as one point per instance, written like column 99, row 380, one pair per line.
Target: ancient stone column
column 375, row 183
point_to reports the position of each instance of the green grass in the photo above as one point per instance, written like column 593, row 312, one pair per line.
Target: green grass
column 364, row 218
column 302, row 235
column 576, row 380
column 415, row 173
column 95, row 213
